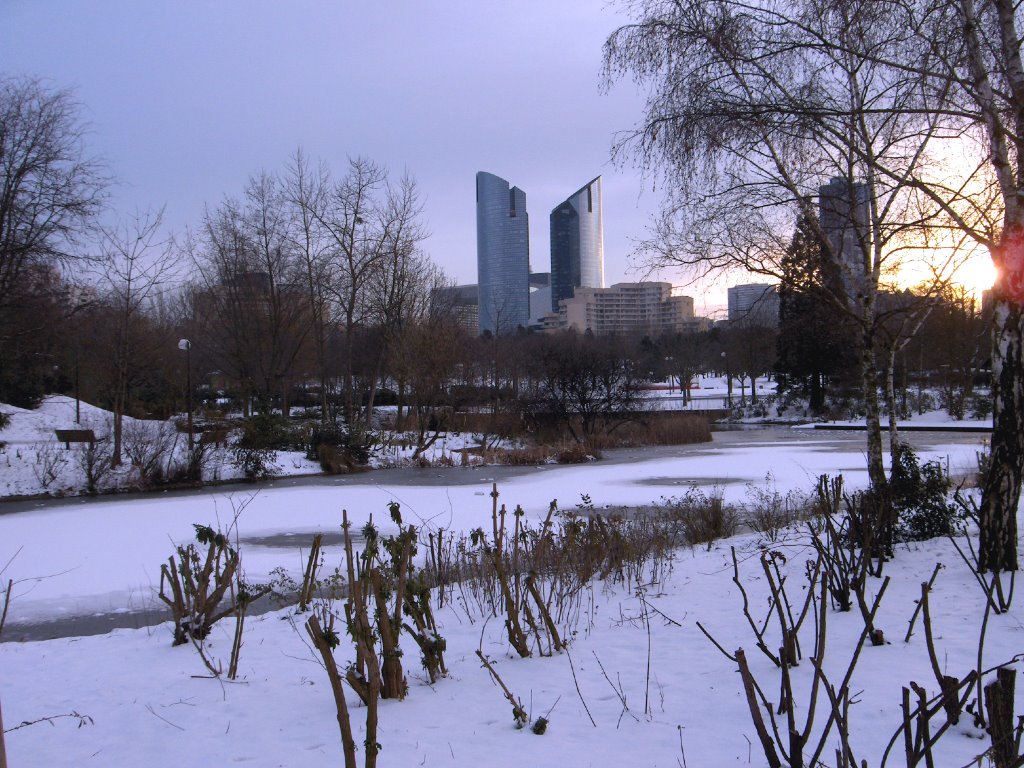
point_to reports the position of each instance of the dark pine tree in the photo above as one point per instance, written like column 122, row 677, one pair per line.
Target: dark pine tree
column 815, row 344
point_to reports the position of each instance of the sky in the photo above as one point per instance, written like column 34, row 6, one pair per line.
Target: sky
column 186, row 100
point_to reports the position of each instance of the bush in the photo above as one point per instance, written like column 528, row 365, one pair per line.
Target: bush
column 270, row 431
column 919, row 497
column 255, row 463
column 981, row 407
column 703, row 518
column 769, row 512
column 338, row 448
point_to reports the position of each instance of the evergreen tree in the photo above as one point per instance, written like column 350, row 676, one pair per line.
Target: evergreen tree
column 815, row 344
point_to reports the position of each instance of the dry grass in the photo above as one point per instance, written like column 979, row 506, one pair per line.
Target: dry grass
column 656, row 429
column 563, row 453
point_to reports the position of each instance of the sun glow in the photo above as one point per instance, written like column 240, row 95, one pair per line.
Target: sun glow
column 977, row 275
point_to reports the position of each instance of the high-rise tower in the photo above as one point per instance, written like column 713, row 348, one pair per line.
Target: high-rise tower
column 845, row 221
column 577, row 243
column 502, row 254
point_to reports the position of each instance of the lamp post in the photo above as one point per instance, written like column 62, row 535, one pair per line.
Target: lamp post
column 186, row 345
column 728, row 381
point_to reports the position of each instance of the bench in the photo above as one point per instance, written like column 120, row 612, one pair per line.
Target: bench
column 68, row 436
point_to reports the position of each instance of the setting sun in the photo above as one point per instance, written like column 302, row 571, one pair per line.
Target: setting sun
column 977, row 275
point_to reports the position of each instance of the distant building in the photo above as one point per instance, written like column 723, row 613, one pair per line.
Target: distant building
column 843, row 211
column 502, row 255
column 635, row 308
column 461, row 303
column 754, row 304
column 577, row 243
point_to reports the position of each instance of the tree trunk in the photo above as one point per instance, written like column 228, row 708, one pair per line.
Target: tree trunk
column 1002, row 484
column 3, row 751
column 873, row 414
column 890, row 399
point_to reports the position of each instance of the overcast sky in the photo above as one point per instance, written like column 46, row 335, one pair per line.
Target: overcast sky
column 186, row 99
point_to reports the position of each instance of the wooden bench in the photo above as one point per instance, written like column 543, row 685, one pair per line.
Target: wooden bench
column 69, row 436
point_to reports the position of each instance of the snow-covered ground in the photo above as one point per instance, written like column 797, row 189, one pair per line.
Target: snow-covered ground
column 149, row 703
column 681, row 701
column 33, row 462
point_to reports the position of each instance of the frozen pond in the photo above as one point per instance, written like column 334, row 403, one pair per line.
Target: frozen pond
column 88, row 565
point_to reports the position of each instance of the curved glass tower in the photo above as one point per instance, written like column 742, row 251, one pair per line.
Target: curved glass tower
column 577, row 243
column 502, row 254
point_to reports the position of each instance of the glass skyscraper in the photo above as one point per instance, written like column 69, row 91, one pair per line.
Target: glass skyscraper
column 844, row 213
column 577, row 243
column 502, row 254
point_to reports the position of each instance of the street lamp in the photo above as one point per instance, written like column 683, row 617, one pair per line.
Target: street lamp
column 186, row 345
column 728, row 381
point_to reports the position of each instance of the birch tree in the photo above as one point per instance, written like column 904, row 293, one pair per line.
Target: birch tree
column 752, row 110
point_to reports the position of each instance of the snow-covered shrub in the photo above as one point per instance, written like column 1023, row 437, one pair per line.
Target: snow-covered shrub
column 920, row 497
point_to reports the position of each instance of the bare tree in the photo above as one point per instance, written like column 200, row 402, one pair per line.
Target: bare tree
column 374, row 229
column 50, row 191
column 136, row 265
column 251, row 303
column 966, row 57
column 755, row 109
column 307, row 189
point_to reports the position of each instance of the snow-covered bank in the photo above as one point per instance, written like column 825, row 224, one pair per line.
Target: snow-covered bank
column 150, row 704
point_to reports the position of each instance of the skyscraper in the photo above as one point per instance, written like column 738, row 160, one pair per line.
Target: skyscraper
column 502, row 254
column 754, row 304
column 577, row 243
column 845, row 222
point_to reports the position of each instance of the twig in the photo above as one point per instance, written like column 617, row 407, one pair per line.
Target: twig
column 518, row 712
column 714, row 642
column 7, row 604
column 925, row 587
column 618, row 691
column 82, row 720
column 578, row 692
column 149, row 707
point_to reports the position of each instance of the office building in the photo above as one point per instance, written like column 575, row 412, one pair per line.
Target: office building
column 627, row 308
column 843, row 211
column 460, row 303
column 502, row 255
column 754, row 304
column 577, row 243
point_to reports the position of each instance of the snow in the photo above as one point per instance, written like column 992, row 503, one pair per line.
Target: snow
column 149, row 703
column 153, row 704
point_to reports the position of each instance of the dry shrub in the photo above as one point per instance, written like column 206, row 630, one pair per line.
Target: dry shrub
column 575, row 453
column 769, row 512
column 332, row 460
column 563, row 453
column 505, row 424
column 659, row 429
column 703, row 518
